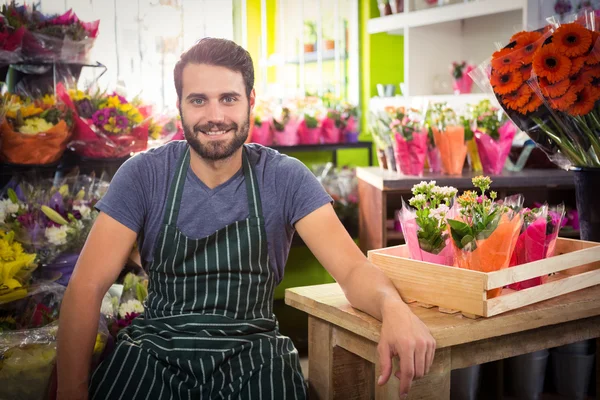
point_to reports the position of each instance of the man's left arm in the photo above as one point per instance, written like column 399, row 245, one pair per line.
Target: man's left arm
column 368, row 289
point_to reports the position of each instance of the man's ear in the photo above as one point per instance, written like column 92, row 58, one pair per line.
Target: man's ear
column 252, row 99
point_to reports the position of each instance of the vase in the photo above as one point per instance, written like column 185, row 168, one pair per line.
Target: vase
column 526, row 374
column 572, row 374
column 588, row 202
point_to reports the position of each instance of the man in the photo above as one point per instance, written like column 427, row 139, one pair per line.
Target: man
column 214, row 219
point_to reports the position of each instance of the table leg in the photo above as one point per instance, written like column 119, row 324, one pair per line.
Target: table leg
column 598, row 368
column 435, row 385
column 320, row 357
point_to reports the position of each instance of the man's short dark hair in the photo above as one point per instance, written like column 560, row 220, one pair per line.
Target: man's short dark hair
column 218, row 52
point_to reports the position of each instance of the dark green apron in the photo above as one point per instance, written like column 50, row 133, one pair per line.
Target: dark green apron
column 208, row 329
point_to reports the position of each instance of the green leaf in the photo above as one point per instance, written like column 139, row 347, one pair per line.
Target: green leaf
column 12, row 195
column 459, row 230
column 141, row 292
column 466, row 240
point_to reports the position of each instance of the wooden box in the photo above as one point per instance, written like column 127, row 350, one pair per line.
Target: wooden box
column 575, row 266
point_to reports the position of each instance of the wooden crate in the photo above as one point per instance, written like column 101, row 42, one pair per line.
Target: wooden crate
column 575, row 266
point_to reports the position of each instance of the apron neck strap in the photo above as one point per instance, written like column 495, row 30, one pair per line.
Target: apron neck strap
column 176, row 189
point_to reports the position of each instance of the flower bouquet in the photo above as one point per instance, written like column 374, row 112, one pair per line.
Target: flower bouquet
column 285, row 126
column 425, row 229
column 57, row 38
column 434, row 159
column 409, row 140
column 462, row 82
column 11, row 41
column 131, row 303
column 350, row 114
column 449, row 137
column 261, row 131
column 53, row 222
column 34, row 131
column 485, row 233
column 163, row 128
column 467, row 122
column 16, row 265
column 494, row 135
column 106, row 125
column 379, row 130
column 537, row 240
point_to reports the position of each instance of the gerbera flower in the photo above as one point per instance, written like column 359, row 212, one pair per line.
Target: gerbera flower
column 502, row 52
column 525, row 38
column 583, row 104
column 576, row 64
column 595, row 89
column 554, row 90
column 551, row 64
column 593, row 71
column 526, row 71
column 580, row 81
column 572, row 39
column 565, row 101
column 517, row 99
column 526, row 52
column 594, row 57
column 506, row 63
column 506, row 83
column 534, row 103
column 516, row 36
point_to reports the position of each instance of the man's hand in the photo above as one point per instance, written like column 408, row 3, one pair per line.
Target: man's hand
column 405, row 336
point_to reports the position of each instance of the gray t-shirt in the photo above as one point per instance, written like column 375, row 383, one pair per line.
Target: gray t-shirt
column 138, row 193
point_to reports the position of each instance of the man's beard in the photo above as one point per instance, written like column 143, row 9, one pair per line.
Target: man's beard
column 215, row 150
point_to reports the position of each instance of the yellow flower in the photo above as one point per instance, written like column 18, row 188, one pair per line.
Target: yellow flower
column 13, row 260
column 135, row 116
column 49, row 100
column 113, row 102
column 78, row 95
column 112, row 128
column 125, row 107
column 26, row 111
column 35, row 125
column 155, row 131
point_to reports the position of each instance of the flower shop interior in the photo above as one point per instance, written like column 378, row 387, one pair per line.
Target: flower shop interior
column 438, row 127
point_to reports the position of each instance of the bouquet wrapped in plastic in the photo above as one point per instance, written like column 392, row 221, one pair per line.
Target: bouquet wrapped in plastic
column 34, row 131
column 52, row 38
column 285, row 126
column 494, row 135
column 106, row 125
column 548, row 82
column 537, row 240
column 485, row 233
column 449, row 137
column 409, row 140
column 16, row 265
column 53, row 221
column 163, row 128
column 11, row 42
column 425, row 227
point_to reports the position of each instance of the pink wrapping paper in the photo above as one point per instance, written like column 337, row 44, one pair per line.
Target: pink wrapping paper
column 289, row 135
column 410, row 155
column 493, row 154
column 308, row 135
column 530, row 247
column 329, row 132
column 434, row 159
column 262, row 134
column 410, row 228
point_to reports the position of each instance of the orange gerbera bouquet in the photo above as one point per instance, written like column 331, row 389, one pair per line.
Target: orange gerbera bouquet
column 548, row 82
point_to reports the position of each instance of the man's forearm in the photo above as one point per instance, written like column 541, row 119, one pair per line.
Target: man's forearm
column 78, row 327
column 370, row 290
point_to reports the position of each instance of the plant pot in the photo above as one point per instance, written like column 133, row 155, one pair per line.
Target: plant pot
column 526, row 374
column 583, row 348
column 464, row 383
column 329, row 44
column 572, row 373
column 309, row 47
column 384, row 8
column 588, row 202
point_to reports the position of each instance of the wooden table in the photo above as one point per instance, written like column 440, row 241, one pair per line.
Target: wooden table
column 343, row 360
column 380, row 193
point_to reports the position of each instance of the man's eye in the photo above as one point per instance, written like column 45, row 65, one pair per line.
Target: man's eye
column 197, row 101
column 229, row 99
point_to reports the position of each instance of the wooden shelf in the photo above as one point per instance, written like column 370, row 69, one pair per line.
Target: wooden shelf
column 396, row 23
column 457, row 102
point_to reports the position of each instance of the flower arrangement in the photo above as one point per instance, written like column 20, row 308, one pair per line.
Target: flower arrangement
column 449, row 137
column 547, row 81
column 130, row 304
column 485, row 233
column 106, row 125
column 34, row 131
column 16, row 265
column 11, row 40
column 425, row 228
column 462, row 83
column 51, row 38
column 409, row 139
column 285, row 126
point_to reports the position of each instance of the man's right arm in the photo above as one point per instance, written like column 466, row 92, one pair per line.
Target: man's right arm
column 105, row 253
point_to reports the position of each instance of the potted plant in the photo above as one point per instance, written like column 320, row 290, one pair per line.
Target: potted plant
column 310, row 36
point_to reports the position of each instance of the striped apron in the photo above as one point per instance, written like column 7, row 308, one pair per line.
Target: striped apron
column 208, row 329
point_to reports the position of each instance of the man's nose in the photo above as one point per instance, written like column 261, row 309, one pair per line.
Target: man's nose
column 215, row 113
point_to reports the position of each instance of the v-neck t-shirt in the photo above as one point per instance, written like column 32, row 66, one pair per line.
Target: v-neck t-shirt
column 138, row 193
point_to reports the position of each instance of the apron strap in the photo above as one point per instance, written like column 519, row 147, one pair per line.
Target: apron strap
column 176, row 189
column 254, row 203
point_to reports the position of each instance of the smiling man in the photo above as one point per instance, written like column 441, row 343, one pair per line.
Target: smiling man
column 214, row 220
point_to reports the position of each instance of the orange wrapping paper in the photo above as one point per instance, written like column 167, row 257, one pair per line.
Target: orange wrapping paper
column 494, row 253
column 38, row 149
column 452, row 147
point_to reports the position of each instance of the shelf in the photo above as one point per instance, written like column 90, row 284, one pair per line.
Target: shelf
column 455, row 101
column 323, row 147
column 396, row 23
column 311, row 58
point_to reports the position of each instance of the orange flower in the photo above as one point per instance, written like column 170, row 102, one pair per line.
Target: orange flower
column 525, row 54
column 506, row 63
column 526, row 38
column 516, row 36
column 583, row 104
column 572, row 39
column 595, row 89
column 593, row 71
column 576, row 64
column 506, row 83
column 534, row 103
column 594, row 57
column 580, row 81
column 526, row 71
column 554, row 90
column 565, row 101
column 551, row 64
column 517, row 99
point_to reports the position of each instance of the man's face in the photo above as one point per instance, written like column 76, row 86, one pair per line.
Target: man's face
column 215, row 111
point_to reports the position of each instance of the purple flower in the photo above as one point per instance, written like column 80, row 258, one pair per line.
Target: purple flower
column 27, row 220
column 562, row 7
column 85, row 108
column 56, row 202
column 111, row 112
column 100, row 118
column 122, row 122
column 122, row 99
